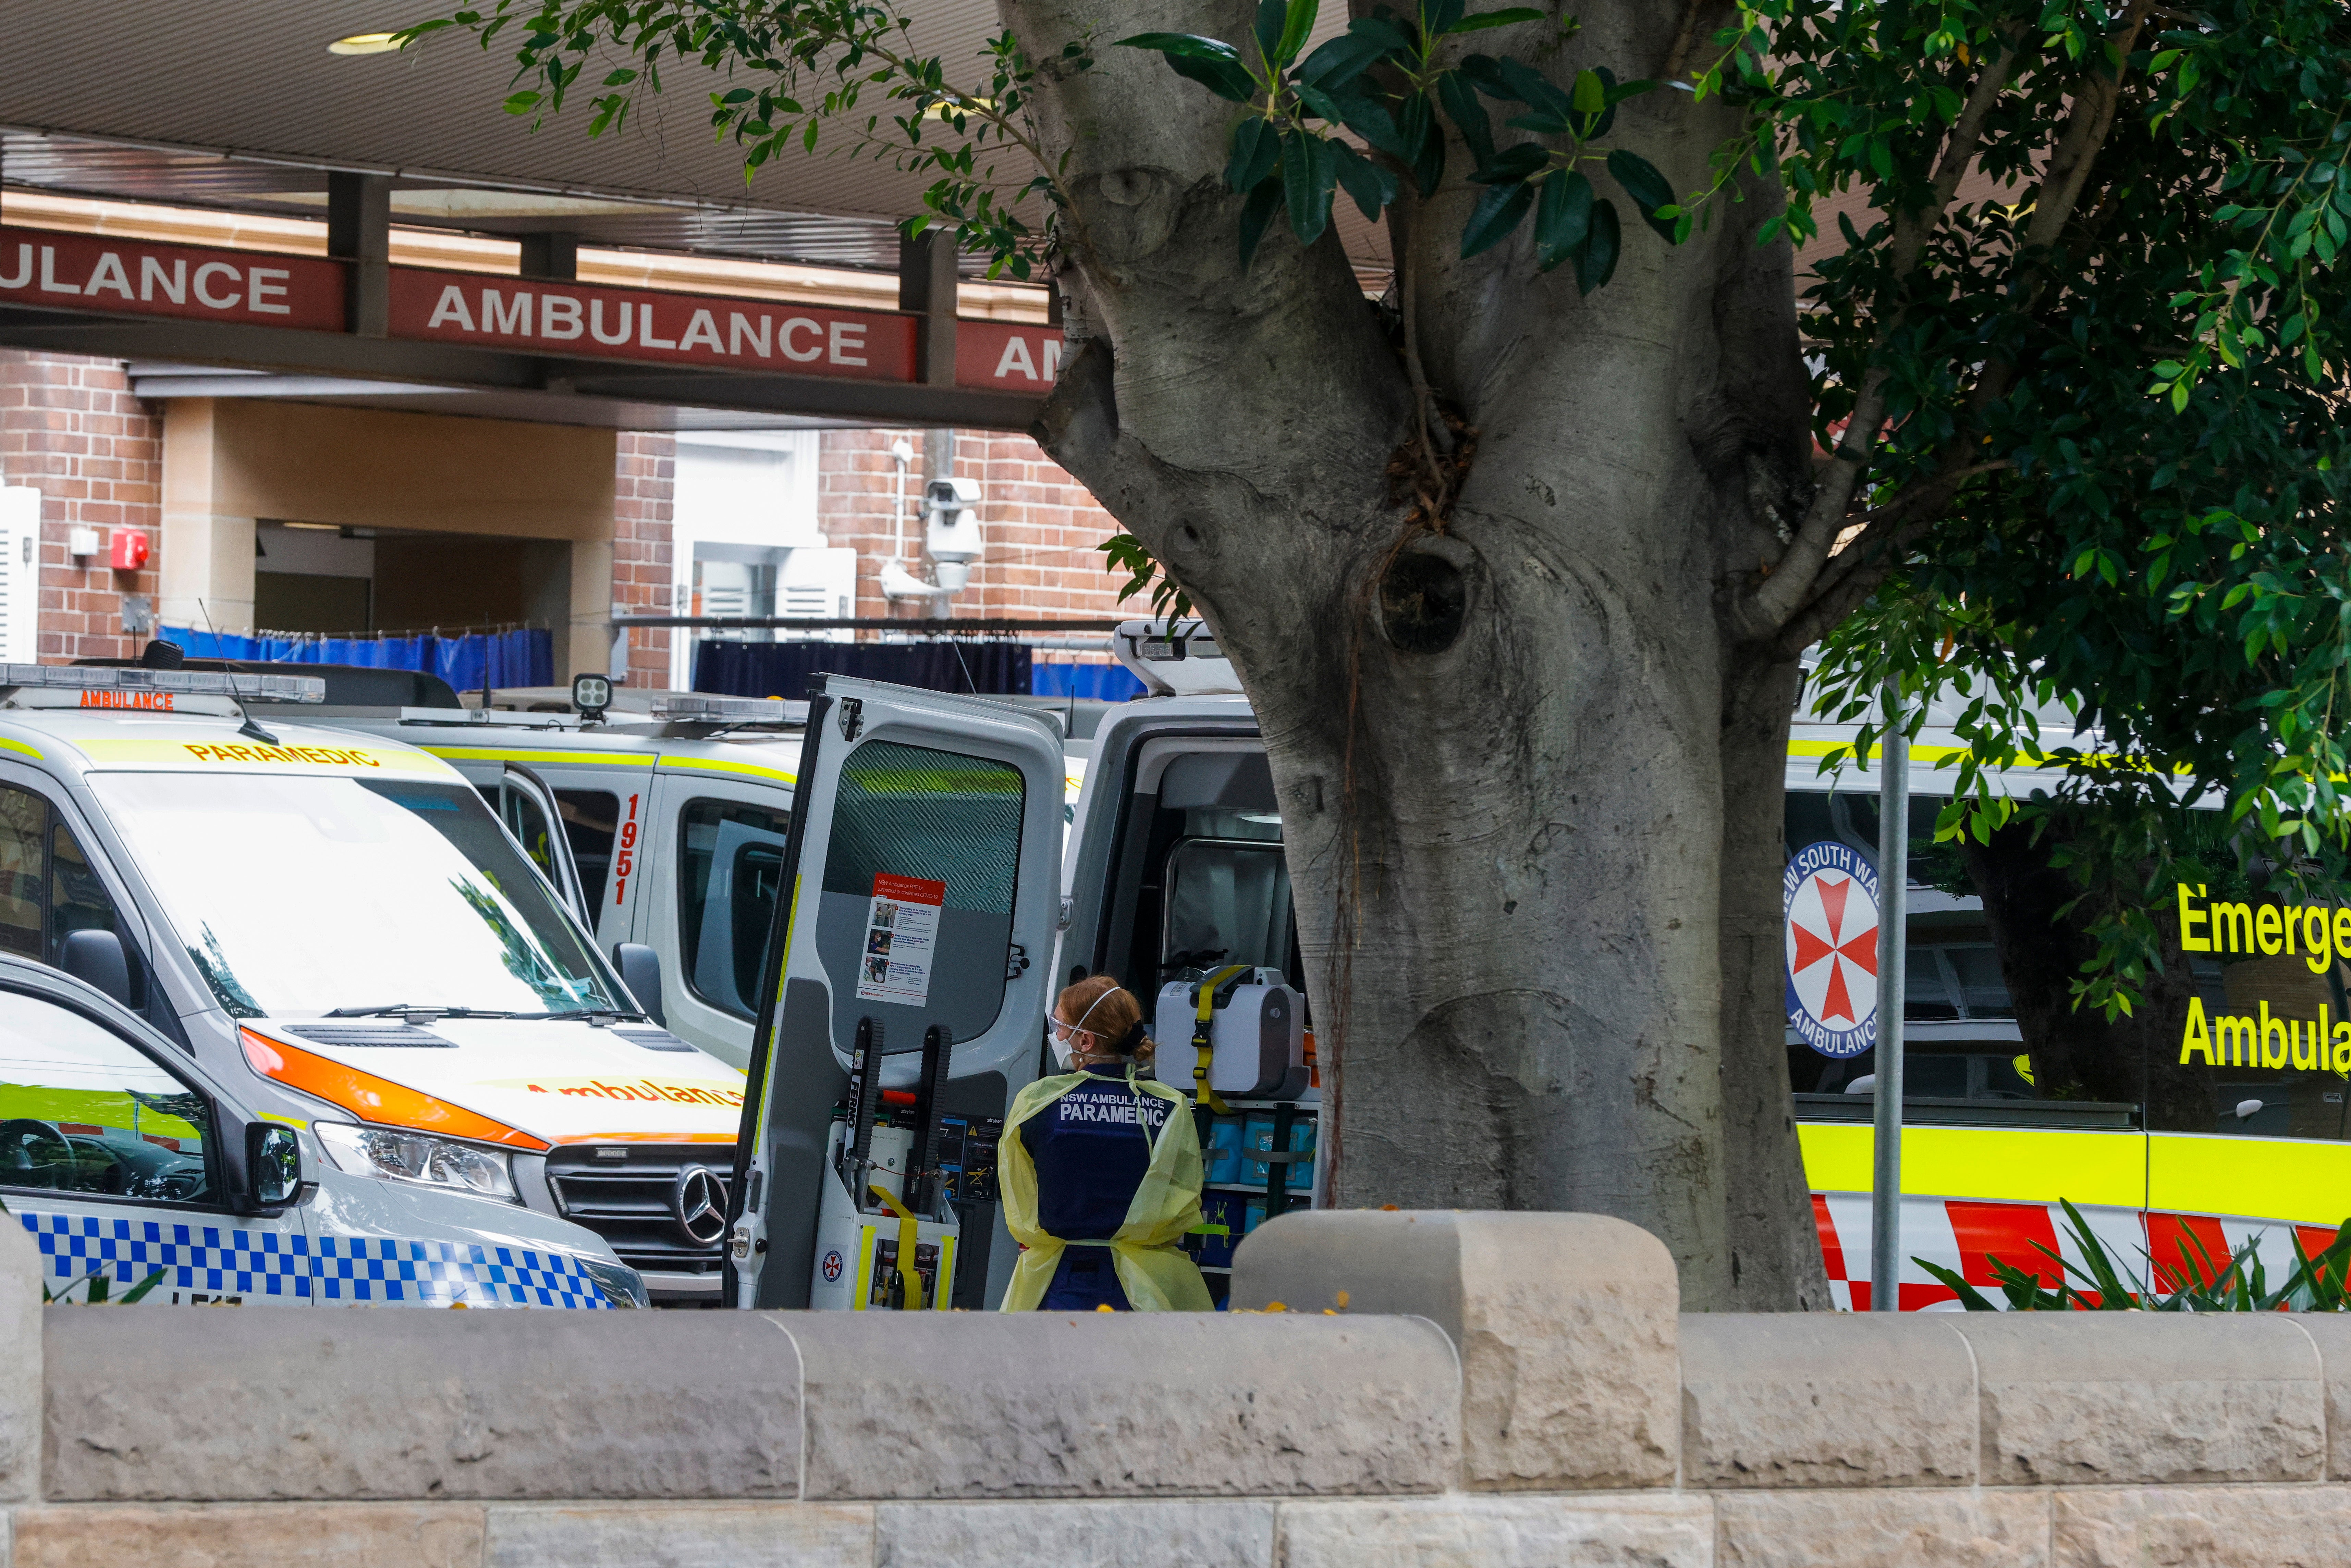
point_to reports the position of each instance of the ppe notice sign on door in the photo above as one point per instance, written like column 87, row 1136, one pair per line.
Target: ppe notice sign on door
column 901, row 928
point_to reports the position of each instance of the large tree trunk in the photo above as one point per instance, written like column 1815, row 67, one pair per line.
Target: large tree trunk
column 1532, row 790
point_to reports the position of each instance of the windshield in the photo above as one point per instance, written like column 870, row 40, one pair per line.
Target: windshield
column 301, row 895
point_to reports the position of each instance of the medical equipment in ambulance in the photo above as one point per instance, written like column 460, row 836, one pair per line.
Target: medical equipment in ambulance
column 1236, row 1030
column 886, row 1226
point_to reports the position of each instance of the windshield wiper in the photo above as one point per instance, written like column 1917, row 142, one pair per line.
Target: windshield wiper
column 619, row 1014
column 417, row 1012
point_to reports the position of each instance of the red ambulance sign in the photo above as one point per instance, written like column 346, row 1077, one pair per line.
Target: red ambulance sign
column 97, row 272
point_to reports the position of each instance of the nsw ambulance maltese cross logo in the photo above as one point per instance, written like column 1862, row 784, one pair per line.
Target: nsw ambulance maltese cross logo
column 1832, row 905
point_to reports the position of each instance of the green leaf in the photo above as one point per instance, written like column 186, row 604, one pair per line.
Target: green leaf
column 1590, row 95
column 1597, row 265
column 1417, row 128
column 1214, row 64
column 137, row 1293
column 1191, row 45
column 1372, row 186
column 522, row 102
column 1222, row 78
column 1255, row 147
column 1272, row 19
column 1295, row 30
column 1469, row 116
column 1341, row 59
column 1648, row 189
column 1309, row 174
column 1498, row 211
column 1562, row 218
column 1520, row 160
column 1478, row 21
column 1257, row 214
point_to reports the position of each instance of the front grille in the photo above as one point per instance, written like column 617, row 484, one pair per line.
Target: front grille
column 627, row 1201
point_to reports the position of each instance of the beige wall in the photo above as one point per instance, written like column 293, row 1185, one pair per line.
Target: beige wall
column 230, row 462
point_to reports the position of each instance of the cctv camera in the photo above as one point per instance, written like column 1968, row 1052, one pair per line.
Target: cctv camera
column 950, row 495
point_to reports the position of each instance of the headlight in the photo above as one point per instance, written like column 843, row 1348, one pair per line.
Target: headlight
column 622, row 1286
column 418, row 1157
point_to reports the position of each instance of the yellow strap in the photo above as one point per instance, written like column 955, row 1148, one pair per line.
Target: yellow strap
column 910, row 1277
column 1203, row 1049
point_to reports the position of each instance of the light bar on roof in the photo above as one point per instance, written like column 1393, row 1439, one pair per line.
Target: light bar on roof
column 695, row 707
column 189, row 682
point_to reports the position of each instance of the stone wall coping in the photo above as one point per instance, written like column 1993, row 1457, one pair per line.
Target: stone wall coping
column 1550, row 1361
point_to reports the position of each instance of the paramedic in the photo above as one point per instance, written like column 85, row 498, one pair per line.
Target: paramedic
column 1101, row 1170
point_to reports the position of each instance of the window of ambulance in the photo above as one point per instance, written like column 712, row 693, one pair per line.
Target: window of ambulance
column 297, row 896
column 591, row 818
column 936, row 829
column 83, row 1113
column 2249, row 1033
column 47, row 888
column 731, row 859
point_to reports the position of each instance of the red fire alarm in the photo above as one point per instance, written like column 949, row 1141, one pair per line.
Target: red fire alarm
column 129, row 549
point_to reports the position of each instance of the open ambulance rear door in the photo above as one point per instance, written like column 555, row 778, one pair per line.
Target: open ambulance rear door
column 922, row 879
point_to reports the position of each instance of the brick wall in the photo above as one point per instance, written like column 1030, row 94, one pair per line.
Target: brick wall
column 1042, row 526
column 643, row 508
column 70, row 427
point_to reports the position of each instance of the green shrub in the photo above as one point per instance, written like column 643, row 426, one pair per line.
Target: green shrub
column 2198, row 1284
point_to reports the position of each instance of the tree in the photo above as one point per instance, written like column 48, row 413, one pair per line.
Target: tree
column 1517, row 564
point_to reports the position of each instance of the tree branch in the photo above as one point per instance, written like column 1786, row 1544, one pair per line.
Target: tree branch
column 1775, row 600
column 2085, row 133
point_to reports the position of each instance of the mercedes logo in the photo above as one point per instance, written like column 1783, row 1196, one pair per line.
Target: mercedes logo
column 699, row 1201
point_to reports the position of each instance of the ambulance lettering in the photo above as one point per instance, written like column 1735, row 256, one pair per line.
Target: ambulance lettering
column 136, row 702
column 322, row 756
column 644, row 1089
column 624, row 862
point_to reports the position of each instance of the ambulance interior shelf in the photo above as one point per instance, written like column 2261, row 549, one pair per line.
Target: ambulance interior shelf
column 908, row 1179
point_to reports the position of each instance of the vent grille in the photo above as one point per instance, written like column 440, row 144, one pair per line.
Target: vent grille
column 628, row 1201
column 653, row 1038
column 370, row 1034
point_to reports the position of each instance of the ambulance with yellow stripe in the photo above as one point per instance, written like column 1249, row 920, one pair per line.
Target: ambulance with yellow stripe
column 2228, row 1125
column 339, row 928
column 663, row 823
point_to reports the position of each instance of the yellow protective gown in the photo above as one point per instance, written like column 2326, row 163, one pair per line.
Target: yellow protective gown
column 1157, row 1275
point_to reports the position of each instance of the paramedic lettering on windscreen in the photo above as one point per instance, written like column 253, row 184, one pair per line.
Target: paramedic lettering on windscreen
column 1100, row 1171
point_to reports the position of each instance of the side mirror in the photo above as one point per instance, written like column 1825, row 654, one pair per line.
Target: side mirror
column 98, row 957
column 273, row 1163
column 640, row 968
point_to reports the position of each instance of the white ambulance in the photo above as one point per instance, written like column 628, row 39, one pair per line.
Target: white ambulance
column 338, row 929
column 144, row 1180
column 1151, row 850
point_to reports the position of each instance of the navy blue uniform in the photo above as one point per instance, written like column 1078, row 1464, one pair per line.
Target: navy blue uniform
column 1091, row 1148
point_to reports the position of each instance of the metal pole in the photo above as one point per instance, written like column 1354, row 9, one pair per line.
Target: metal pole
column 1892, row 885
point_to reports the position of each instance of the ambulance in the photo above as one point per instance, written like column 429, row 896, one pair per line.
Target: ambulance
column 660, row 822
column 145, row 1180
column 337, row 931
column 2231, row 1127
column 931, row 914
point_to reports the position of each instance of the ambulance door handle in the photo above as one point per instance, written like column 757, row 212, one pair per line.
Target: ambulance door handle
column 1016, row 964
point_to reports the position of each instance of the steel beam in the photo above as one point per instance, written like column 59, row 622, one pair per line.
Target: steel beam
column 456, row 366
column 358, row 231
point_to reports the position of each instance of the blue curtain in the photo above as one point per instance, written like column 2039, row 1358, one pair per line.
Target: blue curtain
column 1106, row 683
column 525, row 657
column 782, row 669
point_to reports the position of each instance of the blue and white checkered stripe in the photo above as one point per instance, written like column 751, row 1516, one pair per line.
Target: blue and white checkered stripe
column 340, row 1270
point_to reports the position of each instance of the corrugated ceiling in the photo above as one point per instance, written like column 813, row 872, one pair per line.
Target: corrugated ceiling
column 234, row 102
